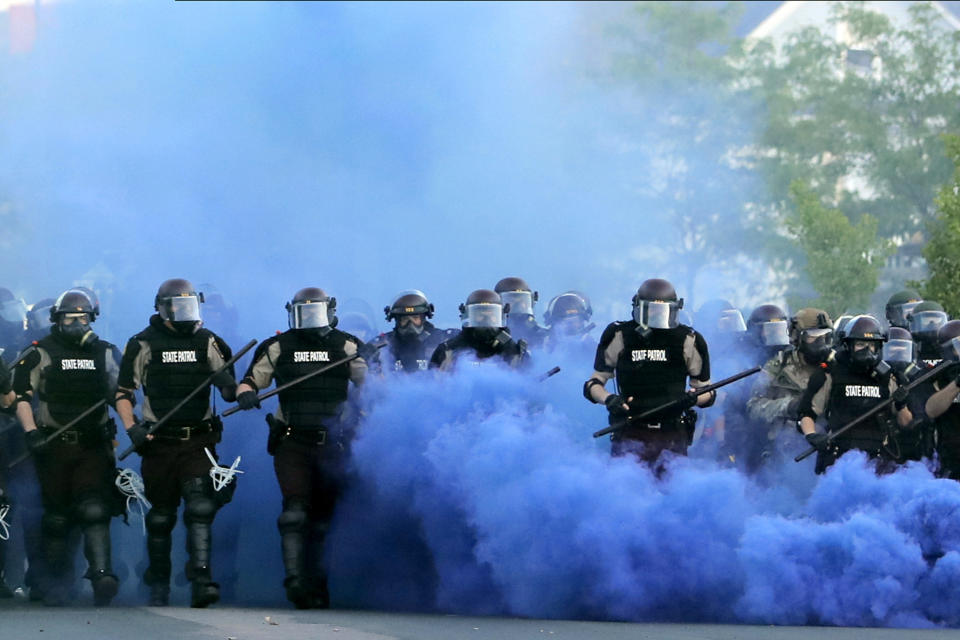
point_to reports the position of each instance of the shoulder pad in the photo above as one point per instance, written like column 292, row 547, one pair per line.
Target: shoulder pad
column 33, row 348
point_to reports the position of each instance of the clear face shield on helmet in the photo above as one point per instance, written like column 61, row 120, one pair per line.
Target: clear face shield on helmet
column 898, row 350
column 308, row 315
column 927, row 322
column 521, row 302
column 656, row 315
column 483, row 315
column 731, row 321
column 13, row 311
column 181, row 309
column 774, row 334
column 951, row 349
column 903, row 311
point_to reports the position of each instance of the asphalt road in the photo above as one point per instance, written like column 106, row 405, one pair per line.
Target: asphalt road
column 19, row 619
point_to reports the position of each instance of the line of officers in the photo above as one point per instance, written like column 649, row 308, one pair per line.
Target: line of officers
column 813, row 373
column 68, row 369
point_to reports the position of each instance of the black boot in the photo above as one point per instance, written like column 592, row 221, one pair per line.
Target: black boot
column 157, row 577
column 204, row 591
column 55, row 529
column 5, row 591
column 96, row 547
column 298, row 588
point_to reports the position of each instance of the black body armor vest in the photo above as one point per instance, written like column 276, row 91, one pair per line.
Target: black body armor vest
column 317, row 400
column 75, row 379
column 413, row 353
column 651, row 367
column 178, row 364
column 853, row 393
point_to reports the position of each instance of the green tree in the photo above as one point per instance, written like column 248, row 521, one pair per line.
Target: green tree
column 679, row 121
column 860, row 123
column 843, row 260
column 942, row 251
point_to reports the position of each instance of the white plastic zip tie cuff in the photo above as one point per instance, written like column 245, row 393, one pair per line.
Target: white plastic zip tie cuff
column 130, row 484
column 222, row 476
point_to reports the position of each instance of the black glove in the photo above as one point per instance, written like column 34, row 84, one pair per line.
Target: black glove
column 229, row 392
column 248, row 400
column 900, row 398
column 138, row 435
column 818, row 441
column 35, row 441
column 614, row 404
column 689, row 400
column 793, row 408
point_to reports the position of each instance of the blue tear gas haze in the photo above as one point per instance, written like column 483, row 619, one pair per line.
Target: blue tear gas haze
column 365, row 148
column 477, row 493
column 369, row 148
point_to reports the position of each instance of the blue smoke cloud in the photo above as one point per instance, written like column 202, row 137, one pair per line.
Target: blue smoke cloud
column 502, row 505
column 369, row 148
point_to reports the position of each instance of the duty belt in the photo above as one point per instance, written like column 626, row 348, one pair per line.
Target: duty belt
column 78, row 436
column 183, row 433
column 307, row 436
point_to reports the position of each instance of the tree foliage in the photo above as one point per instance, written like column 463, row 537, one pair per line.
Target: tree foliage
column 860, row 121
column 843, row 260
column 943, row 248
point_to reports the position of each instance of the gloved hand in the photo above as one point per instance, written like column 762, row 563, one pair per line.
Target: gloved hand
column 229, row 392
column 793, row 408
column 248, row 400
column 138, row 435
column 818, row 441
column 900, row 398
column 615, row 405
column 689, row 400
column 35, row 441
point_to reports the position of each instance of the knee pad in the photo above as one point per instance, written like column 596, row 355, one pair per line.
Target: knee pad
column 293, row 518
column 55, row 524
column 160, row 521
column 199, row 508
column 92, row 511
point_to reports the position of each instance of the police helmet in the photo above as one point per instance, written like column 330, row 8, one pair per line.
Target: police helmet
column 567, row 305
column 949, row 339
column 900, row 305
column 925, row 320
column 178, row 301
column 655, row 304
column 409, row 303
column 311, row 308
column 898, row 347
column 483, row 309
column 12, row 309
column 768, row 325
column 39, row 315
column 516, row 294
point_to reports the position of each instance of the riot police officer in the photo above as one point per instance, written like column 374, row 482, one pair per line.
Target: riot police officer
column 169, row 359
column 768, row 333
column 7, row 397
column 775, row 398
column 38, row 320
column 924, row 321
column 942, row 405
column 899, row 306
column 309, row 432
column 413, row 338
column 568, row 321
column 651, row 356
column 13, row 323
column 855, row 382
column 520, row 299
column 63, row 375
column 484, row 336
